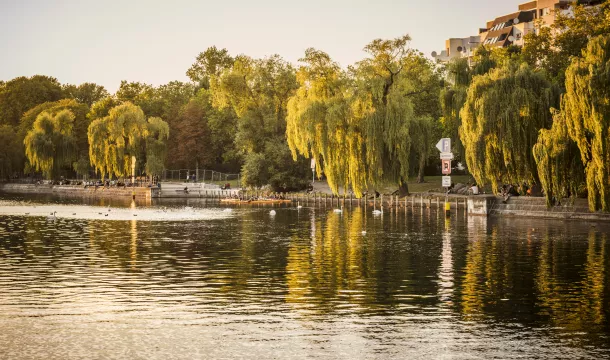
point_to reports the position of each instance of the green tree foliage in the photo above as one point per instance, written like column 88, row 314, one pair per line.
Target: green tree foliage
column 22, row 93
column 459, row 74
column 359, row 126
column 380, row 103
column 86, row 93
column 258, row 92
column 80, row 125
column 203, row 136
column 11, row 152
column 156, row 146
column 101, row 108
column 322, row 126
column 560, row 167
column 586, row 108
column 51, row 145
column 551, row 48
column 209, row 64
column 123, row 135
column 503, row 113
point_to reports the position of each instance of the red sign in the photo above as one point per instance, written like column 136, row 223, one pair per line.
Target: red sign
column 446, row 167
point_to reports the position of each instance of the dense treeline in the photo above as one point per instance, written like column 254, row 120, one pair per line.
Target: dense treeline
column 537, row 114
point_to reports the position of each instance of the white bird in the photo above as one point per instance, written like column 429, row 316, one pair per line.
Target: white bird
column 339, row 210
column 52, row 217
column 377, row 212
column 272, row 213
column 299, row 206
column 363, row 232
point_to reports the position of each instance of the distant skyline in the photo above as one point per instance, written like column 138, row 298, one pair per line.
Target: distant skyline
column 157, row 41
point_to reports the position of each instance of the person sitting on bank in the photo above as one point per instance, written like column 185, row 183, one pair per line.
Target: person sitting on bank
column 474, row 190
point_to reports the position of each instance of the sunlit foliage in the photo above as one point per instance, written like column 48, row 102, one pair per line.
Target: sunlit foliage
column 122, row 135
column 50, row 145
column 503, row 113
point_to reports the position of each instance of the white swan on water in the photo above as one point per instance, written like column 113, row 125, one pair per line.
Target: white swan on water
column 338, row 211
column 52, row 217
column 299, row 206
column 272, row 212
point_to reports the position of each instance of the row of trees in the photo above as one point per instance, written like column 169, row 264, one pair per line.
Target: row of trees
column 537, row 114
column 238, row 114
column 540, row 114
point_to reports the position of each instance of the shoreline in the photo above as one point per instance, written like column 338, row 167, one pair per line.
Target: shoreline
column 477, row 205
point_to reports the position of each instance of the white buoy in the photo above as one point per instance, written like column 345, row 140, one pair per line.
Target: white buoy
column 272, row 212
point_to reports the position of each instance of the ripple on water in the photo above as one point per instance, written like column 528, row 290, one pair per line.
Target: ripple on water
column 306, row 284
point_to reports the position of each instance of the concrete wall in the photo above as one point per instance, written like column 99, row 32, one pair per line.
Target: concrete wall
column 75, row 190
column 521, row 206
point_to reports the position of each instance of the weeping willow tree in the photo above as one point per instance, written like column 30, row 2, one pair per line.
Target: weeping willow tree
column 156, row 145
column 459, row 74
column 560, row 168
column 503, row 113
column 586, row 108
column 321, row 124
column 81, row 123
column 357, row 125
column 50, row 144
column 115, row 141
column 452, row 99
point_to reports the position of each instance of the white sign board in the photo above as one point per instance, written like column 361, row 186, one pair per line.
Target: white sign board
column 446, row 181
column 444, row 145
column 446, row 156
column 313, row 164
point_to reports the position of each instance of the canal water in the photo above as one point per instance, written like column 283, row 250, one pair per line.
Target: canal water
column 305, row 283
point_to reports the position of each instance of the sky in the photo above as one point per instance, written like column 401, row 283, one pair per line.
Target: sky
column 156, row 41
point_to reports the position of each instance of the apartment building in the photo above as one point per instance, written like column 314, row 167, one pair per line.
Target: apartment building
column 508, row 29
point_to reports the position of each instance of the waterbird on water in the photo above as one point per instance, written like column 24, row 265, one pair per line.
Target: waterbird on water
column 272, row 212
column 52, row 217
column 338, row 211
column 377, row 212
column 299, row 206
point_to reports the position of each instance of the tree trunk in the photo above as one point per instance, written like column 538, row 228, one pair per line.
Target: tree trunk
column 420, row 174
column 403, row 189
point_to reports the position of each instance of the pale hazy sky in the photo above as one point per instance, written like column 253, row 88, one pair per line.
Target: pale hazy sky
column 106, row 41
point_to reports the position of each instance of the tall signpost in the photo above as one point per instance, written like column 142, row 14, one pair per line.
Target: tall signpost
column 444, row 146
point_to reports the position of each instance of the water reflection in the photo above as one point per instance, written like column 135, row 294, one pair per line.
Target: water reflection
column 309, row 282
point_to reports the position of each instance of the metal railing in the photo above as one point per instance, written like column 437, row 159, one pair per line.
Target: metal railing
column 201, row 175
